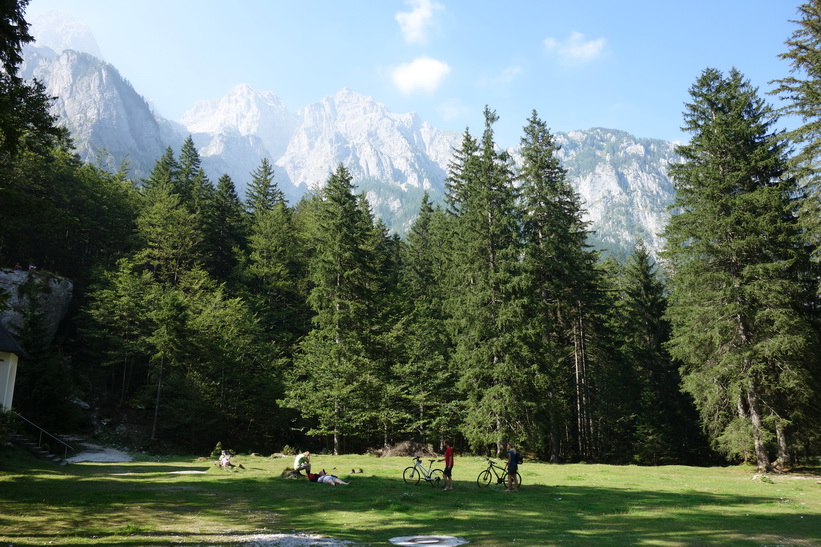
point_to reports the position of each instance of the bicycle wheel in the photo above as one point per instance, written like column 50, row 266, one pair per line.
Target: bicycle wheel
column 484, row 478
column 411, row 475
column 437, row 477
column 506, row 477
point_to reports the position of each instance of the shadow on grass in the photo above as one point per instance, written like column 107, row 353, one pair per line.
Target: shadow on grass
column 148, row 505
column 543, row 515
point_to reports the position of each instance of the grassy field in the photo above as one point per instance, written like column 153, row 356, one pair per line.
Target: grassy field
column 186, row 501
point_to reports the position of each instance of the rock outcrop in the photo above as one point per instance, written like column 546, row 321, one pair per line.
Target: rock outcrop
column 25, row 291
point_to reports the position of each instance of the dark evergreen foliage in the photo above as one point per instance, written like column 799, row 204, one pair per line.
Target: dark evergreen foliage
column 200, row 318
column 738, row 303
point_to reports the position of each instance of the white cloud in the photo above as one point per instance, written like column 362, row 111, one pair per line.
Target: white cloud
column 415, row 23
column 423, row 74
column 574, row 49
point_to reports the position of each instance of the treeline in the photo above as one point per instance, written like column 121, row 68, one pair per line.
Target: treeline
column 209, row 318
column 203, row 317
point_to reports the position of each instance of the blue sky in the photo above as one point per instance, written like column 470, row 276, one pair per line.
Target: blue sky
column 624, row 64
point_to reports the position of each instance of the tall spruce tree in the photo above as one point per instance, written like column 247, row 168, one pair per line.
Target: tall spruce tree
column 486, row 298
column 163, row 175
column 429, row 398
column 736, row 301
column 189, row 166
column 226, row 229
column 560, row 272
column 666, row 428
column 333, row 378
column 169, row 234
column 262, row 193
column 801, row 93
column 275, row 272
column 24, row 106
column 384, row 310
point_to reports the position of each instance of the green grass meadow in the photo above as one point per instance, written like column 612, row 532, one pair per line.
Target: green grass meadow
column 183, row 500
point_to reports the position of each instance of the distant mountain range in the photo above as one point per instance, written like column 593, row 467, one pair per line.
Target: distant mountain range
column 394, row 158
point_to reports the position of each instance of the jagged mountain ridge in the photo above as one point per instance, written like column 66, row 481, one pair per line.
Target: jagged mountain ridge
column 100, row 108
column 624, row 183
column 393, row 158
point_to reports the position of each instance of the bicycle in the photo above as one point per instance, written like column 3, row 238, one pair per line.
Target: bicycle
column 494, row 469
column 417, row 472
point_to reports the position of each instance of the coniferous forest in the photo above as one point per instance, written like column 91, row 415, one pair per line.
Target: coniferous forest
column 202, row 316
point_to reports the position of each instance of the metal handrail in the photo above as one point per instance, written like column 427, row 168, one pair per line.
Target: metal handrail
column 42, row 431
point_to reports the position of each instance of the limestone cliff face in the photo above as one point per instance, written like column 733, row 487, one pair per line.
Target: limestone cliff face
column 23, row 291
column 622, row 180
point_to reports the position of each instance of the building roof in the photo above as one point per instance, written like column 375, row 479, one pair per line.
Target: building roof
column 9, row 344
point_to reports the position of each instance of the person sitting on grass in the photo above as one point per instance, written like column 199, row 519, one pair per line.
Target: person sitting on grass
column 324, row 478
column 302, row 461
column 225, row 461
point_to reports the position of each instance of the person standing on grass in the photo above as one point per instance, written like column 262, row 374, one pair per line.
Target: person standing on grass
column 512, row 469
column 448, row 472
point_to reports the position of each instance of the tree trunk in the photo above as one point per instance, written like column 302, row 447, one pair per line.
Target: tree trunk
column 336, row 429
column 554, row 429
column 583, row 419
column 784, row 459
column 157, row 404
column 499, row 442
column 762, row 462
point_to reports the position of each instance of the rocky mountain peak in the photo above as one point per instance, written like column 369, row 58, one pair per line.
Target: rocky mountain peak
column 244, row 111
column 393, row 158
column 98, row 106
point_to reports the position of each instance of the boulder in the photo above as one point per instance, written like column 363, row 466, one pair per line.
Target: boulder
column 51, row 294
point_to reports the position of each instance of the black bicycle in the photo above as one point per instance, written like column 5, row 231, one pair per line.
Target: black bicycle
column 415, row 473
column 497, row 471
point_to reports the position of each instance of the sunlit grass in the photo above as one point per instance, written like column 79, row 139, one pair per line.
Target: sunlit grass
column 183, row 500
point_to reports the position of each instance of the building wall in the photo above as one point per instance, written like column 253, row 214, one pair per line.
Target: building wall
column 8, row 375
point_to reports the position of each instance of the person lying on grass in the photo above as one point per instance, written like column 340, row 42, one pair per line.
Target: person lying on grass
column 324, row 478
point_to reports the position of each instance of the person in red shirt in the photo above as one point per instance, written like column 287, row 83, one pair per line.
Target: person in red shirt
column 448, row 459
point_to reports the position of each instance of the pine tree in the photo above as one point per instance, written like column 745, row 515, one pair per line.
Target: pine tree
column 115, row 327
column 801, row 93
column 24, row 106
column 189, row 166
column 275, row 273
column 263, row 193
column 560, row 271
column 429, row 397
column 225, row 230
column 664, row 426
column 734, row 250
column 384, row 310
column 163, row 176
column 485, row 301
column 169, row 234
column 333, row 370
column 167, row 339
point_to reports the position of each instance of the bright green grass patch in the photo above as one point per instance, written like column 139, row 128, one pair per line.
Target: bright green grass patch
column 183, row 500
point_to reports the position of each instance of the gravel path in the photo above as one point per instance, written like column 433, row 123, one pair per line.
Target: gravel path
column 97, row 453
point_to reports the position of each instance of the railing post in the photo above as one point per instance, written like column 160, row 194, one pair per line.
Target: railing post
column 42, row 431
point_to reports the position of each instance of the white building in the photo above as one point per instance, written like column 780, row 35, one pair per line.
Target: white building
column 9, row 351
